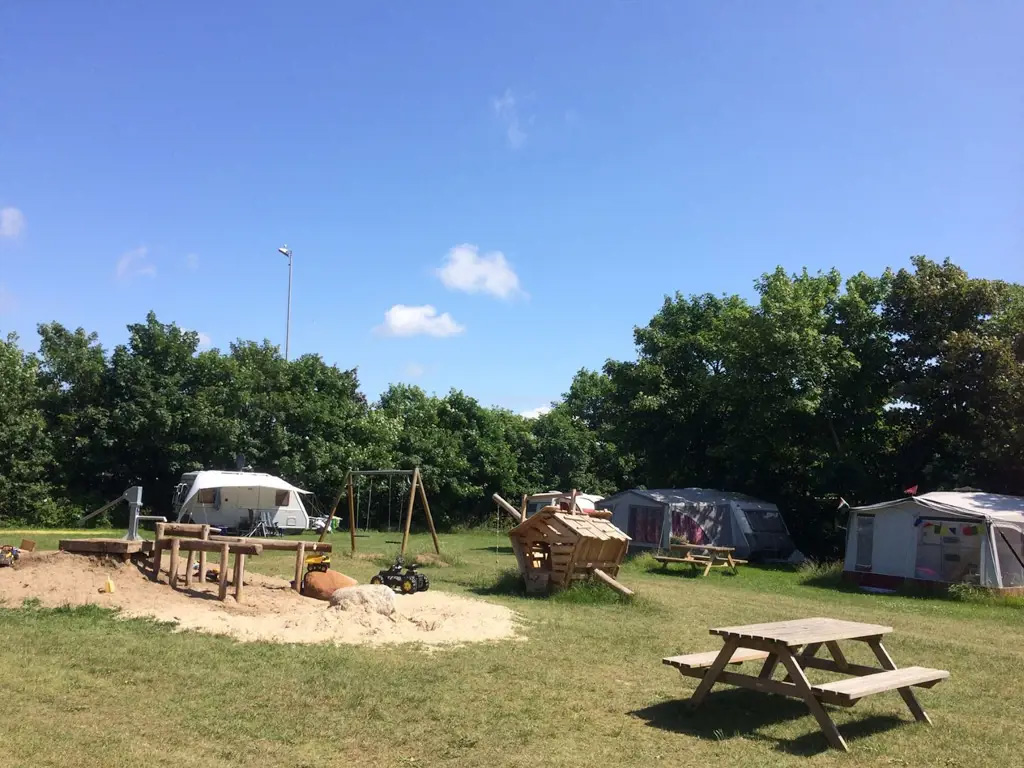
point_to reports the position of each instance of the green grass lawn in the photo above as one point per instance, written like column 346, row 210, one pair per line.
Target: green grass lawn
column 585, row 687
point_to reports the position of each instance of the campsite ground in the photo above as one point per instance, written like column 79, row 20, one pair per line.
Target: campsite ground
column 585, row 685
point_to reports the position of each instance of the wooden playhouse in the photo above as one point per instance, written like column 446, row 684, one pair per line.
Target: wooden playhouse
column 555, row 548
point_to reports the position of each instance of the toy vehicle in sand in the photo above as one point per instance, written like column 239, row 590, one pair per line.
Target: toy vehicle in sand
column 402, row 578
column 8, row 555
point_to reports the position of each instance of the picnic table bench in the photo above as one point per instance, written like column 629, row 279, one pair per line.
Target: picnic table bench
column 795, row 645
column 702, row 554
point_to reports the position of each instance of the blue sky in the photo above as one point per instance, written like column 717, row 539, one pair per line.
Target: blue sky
column 540, row 174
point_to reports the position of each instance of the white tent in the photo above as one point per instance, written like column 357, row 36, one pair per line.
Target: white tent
column 238, row 500
column 947, row 537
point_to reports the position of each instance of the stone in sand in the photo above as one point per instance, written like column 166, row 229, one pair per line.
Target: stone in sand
column 375, row 598
column 323, row 584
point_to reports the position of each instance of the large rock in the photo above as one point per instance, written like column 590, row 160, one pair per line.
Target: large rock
column 323, row 584
column 373, row 598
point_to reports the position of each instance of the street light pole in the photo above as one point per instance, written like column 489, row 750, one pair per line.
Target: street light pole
column 286, row 251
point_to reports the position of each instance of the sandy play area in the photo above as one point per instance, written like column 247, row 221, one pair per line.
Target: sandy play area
column 271, row 610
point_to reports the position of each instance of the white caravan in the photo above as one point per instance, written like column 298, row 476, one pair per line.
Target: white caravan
column 239, row 501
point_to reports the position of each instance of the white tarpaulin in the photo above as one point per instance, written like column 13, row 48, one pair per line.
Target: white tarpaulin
column 218, row 479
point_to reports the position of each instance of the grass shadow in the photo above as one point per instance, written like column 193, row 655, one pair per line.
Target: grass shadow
column 739, row 713
column 501, row 550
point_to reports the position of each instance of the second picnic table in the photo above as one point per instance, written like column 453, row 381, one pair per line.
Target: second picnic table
column 701, row 555
column 795, row 645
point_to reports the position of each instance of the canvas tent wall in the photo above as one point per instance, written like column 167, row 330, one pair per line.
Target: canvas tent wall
column 237, row 500
column 942, row 537
column 702, row 516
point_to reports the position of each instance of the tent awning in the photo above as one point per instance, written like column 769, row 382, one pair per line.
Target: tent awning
column 218, row 479
column 968, row 505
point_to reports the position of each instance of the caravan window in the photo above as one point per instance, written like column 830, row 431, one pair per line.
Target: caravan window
column 281, row 498
column 207, row 496
column 948, row 551
column 865, row 542
column 1010, row 551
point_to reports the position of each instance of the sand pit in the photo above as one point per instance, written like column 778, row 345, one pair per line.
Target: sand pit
column 271, row 610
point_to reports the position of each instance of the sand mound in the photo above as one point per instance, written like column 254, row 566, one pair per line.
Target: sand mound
column 372, row 598
column 271, row 610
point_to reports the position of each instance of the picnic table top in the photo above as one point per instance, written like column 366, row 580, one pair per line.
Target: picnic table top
column 803, row 631
column 702, row 546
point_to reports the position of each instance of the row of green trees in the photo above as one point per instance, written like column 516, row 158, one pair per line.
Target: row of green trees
column 816, row 390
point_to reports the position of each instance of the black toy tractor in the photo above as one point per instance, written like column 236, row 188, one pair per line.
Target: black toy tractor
column 402, row 578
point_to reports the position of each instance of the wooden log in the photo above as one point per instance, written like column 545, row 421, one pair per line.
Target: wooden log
column 277, row 545
column 300, row 556
column 202, row 567
column 182, row 529
column 198, row 545
column 408, row 510
column 188, row 569
column 426, row 509
column 622, row 589
column 239, row 575
column 223, row 591
column 159, row 529
column 158, row 553
column 173, row 571
column 512, row 511
column 101, row 546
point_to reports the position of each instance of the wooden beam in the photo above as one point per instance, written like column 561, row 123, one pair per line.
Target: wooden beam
column 512, row 511
column 198, row 545
column 222, row 592
column 622, row 589
column 905, row 693
column 408, row 509
column 300, row 556
column 158, row 552
column 277, row 545
column 334, row 508
column 426, row 508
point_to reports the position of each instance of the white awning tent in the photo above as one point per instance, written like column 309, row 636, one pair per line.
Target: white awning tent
column 944, row 536
column 222, row 479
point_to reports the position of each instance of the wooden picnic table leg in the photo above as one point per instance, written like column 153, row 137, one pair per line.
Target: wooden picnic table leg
column 803, row 688
column 906, row 693
column 809, row 652
column 732, row 565
column 768, row 668
column 838, row 655
column 711, row 561
column 708, row 681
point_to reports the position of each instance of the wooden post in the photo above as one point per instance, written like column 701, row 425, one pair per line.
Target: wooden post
column 426, row 508
column 202, row 556
column 300, row 557
column 522, row 508
column 351, row 513
column 239, row 575
column 188, row 569
column 334, row 506
column 408, row 509
column 173, row 570
column 158, row 553
column 223, row 593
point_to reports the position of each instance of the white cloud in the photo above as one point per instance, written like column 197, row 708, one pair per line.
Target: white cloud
column 192, row 262
column 402, row 320
column 12, row 222
column 535, row 413
column 8, row 301
column 414, row 370
column 507, row 111
column 466, row 270
column 205, row 342
column 135, row 263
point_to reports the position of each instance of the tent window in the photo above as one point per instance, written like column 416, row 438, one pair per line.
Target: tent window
column 207, row 496
column 686, row 528
column 765, row 520
column 1010, row 551
column 281, row 498
column 948, row 551
column 865, row 542
column 645, row 525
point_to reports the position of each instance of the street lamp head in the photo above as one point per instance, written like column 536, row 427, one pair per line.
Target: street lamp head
column 285, row 251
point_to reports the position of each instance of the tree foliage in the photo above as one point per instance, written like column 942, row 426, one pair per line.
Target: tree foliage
column 816, row 388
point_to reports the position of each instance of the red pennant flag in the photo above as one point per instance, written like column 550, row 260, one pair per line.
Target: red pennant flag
column 911, row 490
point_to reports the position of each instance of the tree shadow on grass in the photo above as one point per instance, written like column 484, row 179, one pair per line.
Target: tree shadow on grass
column 738, row 713
column 501, row 550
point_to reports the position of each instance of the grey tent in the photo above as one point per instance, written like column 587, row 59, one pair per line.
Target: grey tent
column 702, row 516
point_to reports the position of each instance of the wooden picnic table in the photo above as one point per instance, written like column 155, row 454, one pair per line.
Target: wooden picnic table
column 702, row 554
column 795, row 645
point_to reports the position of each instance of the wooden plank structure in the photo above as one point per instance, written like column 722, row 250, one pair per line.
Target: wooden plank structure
column 555, row 548
column 195, row 538
column 697, row 555
column 121, row 547
column 416, row 488
column 300, row 548
column 794, row 645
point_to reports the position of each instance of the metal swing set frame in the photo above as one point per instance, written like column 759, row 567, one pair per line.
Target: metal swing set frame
column 415, row 487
